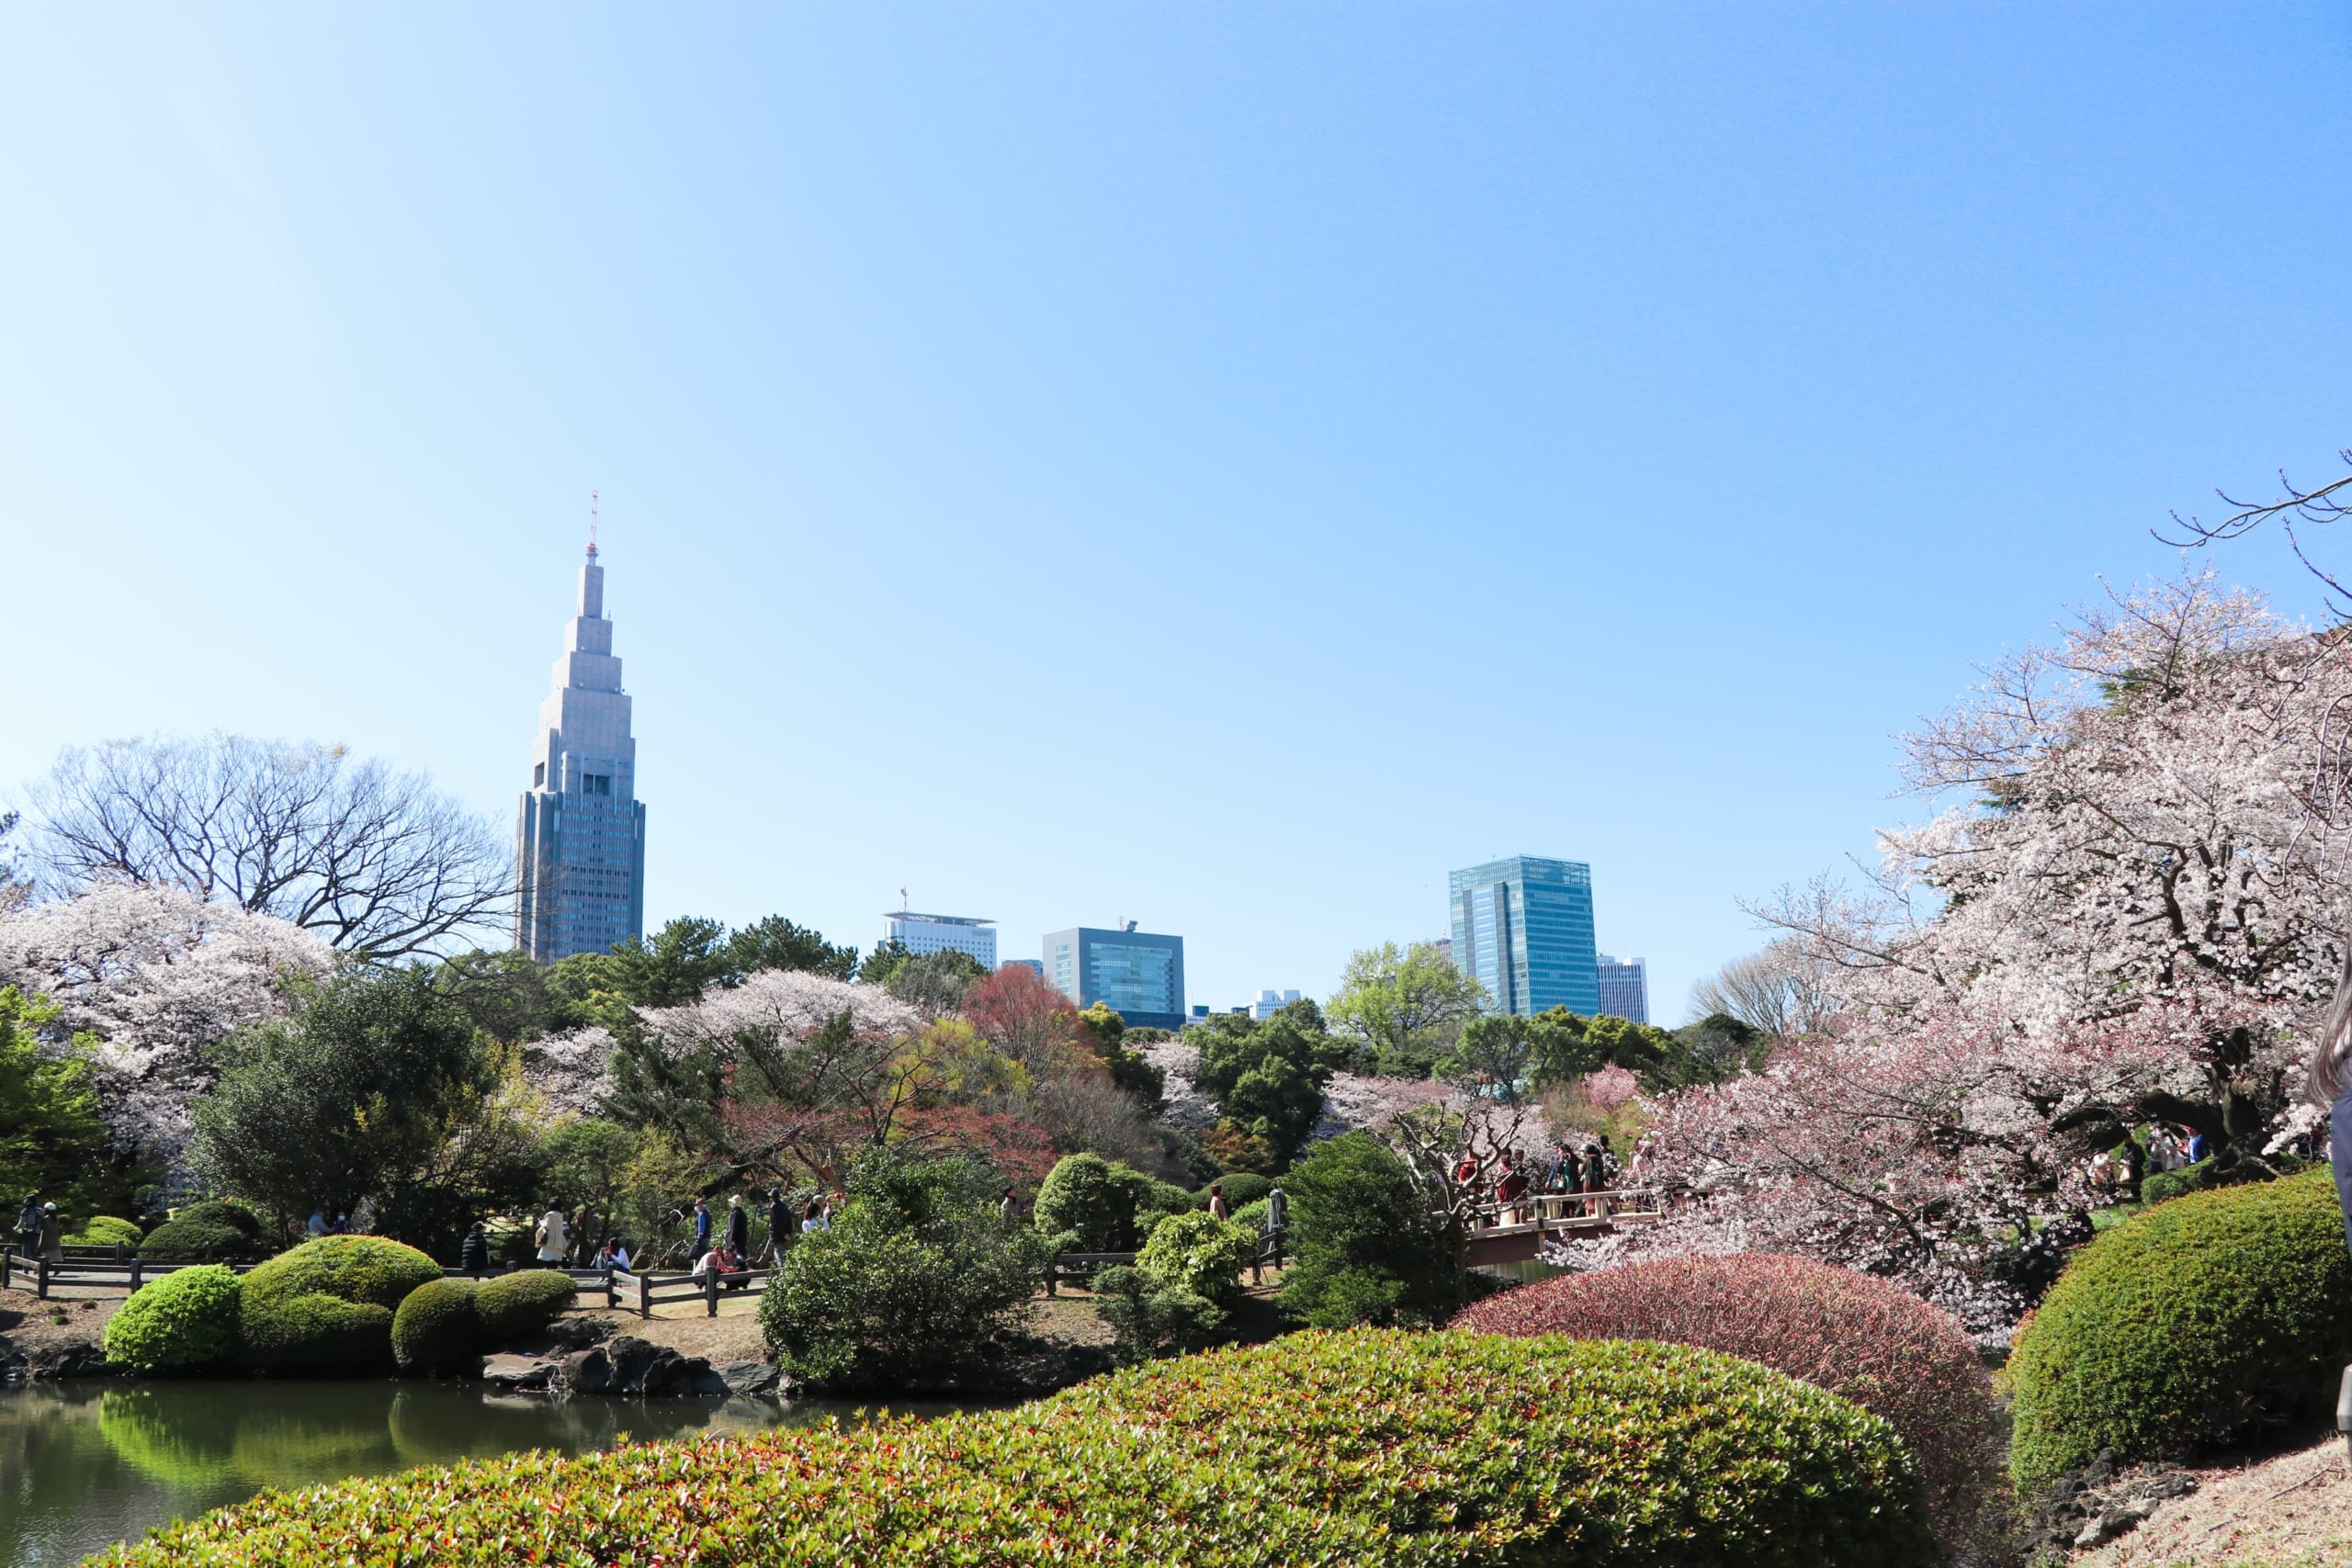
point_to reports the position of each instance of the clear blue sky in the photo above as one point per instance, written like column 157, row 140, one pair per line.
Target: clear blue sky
column 1218, row 465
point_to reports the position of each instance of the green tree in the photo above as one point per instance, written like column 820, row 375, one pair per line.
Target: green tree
column 505, row 995
column 937, row 982
column 1368, row 1248
column 776, row 944
column 1268, row 1076
column 52, row 1139
column 376, row 1086
column 1406, row 1010
column 885, row 961
column 1104, row 1032
column 917, row 1275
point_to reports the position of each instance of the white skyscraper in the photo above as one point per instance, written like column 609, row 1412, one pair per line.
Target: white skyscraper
column 580, row 835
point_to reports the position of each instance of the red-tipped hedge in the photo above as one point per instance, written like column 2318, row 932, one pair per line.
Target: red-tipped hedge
column 1888, row 1352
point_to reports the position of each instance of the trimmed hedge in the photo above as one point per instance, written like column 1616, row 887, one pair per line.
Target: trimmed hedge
column 1241, row 1187
column 1880, row 1347
column 184, row 1321
column 1374, row 1449
column 1088, row 1204
column 2186, row 1327
column 225, row 1231
column 437, row 1329
column 327, row 1305
column 105, row 1230
column 523, row 1303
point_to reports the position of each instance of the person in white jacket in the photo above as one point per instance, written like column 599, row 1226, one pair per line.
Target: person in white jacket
column 554, row 1235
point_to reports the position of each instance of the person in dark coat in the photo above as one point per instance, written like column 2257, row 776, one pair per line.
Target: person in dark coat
column 702, row 1226
column 738, row 1228
column 473, row 1253
column 781, row 1221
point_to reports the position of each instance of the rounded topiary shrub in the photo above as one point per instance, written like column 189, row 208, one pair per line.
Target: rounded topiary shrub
column 1880, row 1347
column 523, row 1303
column 1198, row 1252
column 183, row 1322
column 211, row 1230
column 437, row 1329
column 105, row 1230
column 1374, row 1449
column 327, row 1305
column 2187, row 1327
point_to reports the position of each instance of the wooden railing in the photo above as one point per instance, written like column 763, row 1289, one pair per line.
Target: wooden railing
column 1561, row 1209
column 649, row 1291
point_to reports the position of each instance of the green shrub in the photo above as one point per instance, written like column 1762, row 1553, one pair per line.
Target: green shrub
column 1251, row 1217
column 515, row 1305
column 438, row 1328
column 1370, row 1449
column 225, row 1231
column 1199, row 1253
column 327, row 1305
column 2186, row 1327
column 916, row 1276
column 1091, row 1204
column 1364, row 1246
column 105, row 1230
column 2159, row 1185
column 1150, row 1316
column 184, row 1321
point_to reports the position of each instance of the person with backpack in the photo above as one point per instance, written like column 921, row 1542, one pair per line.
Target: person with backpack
column 28, row 1226
column 554, row 1237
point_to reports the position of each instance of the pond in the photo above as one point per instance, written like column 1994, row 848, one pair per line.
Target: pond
column 85, row 1464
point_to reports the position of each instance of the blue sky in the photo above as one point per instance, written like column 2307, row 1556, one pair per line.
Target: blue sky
column 1218, row 465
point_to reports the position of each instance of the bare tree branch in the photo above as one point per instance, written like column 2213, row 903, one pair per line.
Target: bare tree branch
column 373, row 861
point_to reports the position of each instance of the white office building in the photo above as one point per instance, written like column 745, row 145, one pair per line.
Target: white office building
column 1270, row 1002
column 942, row 933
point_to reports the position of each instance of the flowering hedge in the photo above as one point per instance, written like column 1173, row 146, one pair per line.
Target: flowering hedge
column 1371, row 1449
column 1851, row 1334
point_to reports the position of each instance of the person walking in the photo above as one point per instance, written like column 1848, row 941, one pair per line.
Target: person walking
column 780, row 1225
column 554, row 1235
column 473, row 1253
column 52, row 1233
column 28, row 1226
column 702, row 1226
column 1217, row 1209
column 817, row 1218
column 318, row 1225
column 1277, row 1219
column 1008, row 1208
column 739, row 1229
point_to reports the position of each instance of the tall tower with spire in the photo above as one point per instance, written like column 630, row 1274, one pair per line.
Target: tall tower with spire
column 580, row 835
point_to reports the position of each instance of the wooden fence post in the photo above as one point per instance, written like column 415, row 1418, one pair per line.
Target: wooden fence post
column 40, row 1282
column 612, row 1292
column 710, row 1289
column 645, row 1294
column 7, row 1263
column 136, row 1265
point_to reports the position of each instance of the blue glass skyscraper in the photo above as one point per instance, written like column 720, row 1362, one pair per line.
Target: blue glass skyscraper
column 1522, row 928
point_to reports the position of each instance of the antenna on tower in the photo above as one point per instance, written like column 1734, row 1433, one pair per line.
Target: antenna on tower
column 592, row 524
column 902, row 900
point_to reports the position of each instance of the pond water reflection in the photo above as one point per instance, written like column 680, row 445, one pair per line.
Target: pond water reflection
column 84, row 1465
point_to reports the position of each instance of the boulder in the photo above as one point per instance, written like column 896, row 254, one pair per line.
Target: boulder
column 515, row 1371
column 748, row 1380
column 629, row 1357
column 583, row 1371
column 579, row 1333
column 72, row 1358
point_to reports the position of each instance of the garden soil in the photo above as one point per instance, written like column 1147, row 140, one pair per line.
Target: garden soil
column 2294, row 1509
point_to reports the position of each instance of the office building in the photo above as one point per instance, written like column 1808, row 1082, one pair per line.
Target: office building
column 920, row 935
column 1270, row 1002
column 580, row 831
column 1034, row 965
column 1522, row 928
column 1625, row 988
column 1139, row 976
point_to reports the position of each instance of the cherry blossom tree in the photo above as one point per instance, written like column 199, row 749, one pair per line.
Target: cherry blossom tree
column 155, row 975
column 2124, row 912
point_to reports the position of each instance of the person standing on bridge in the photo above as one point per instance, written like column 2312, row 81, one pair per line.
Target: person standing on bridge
column 28, row 1226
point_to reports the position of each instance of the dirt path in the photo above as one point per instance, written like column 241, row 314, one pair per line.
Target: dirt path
column 2286, row 1512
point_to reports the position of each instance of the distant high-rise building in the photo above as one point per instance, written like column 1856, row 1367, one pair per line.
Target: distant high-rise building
column 940, row 933
column 1271, row 1002
column 1139, row 976
column 1034, row 965
column 1625, row 988
column 1522, row 928
column 1444, row 946
column 579, row 832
